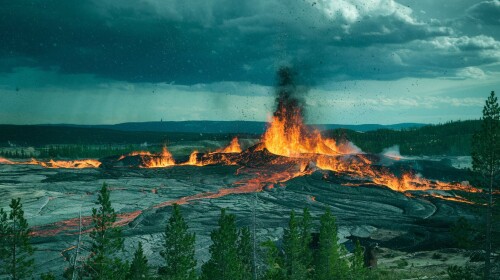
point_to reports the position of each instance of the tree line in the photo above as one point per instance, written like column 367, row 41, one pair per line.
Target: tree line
column 451, row 138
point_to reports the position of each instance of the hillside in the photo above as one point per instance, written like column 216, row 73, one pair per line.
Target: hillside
column 227, row 126
column 453, row 138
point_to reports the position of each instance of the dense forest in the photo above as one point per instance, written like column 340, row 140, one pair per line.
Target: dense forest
column 452, row 138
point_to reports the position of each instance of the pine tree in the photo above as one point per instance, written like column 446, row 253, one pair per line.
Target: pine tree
column 139, row 267
column 224, row 262
column 292, row 243
column 358, row 270
column 306, row 239
column 106, row 240
column 274, row 262
column 486, row 163
column 245, row 253
column 15, row 249
column 328, row 263
column 178, row 249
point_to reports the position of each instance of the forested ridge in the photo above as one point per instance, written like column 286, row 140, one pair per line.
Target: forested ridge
column 452, row 138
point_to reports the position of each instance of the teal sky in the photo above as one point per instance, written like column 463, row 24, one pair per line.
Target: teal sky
column 361, row 61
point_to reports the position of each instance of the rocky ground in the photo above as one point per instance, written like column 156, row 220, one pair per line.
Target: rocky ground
column 409, row 231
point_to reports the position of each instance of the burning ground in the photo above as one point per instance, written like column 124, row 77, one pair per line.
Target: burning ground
column 403, row 204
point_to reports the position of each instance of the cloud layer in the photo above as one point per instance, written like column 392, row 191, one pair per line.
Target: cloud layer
column 77, row 46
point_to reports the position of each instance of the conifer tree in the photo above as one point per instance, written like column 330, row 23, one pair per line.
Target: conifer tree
column 274, row 262
column 245, row 253
column 178, row 251
column 106, row 240
column 328, row 263
column 358, row 270
column 306, row 239
column 139, row 267
column 292, row 243
column 224, row 262
column 15, row 249
column 486, row 163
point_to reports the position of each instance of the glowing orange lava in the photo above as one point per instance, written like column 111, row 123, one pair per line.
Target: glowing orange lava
column 291, row 138
column 152, row 160
column 84, row 163
column 233, row 147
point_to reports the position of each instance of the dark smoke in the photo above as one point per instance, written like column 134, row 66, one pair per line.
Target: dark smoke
column 289, row 100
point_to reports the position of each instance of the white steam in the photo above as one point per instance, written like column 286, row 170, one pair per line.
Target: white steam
column 392, row 152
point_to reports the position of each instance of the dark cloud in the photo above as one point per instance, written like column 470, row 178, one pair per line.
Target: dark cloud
column 487, row 12
column 189, row 42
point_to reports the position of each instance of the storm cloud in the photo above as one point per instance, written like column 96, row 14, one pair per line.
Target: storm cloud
column 221, row 44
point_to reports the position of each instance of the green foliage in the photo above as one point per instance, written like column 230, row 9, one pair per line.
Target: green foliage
column 178, row 249
column 47, row 276
column 245, row 253
column 358, row 270
column 463, row 233
column 401, row 263
column 328, row 261
column 15, row 249
column 139, row 267
column 292, row 243
column 274, row 262
column 453, row 138
column 460, row 273
column 224, row 262
column 106, row 240
column 486, row 144
column 306, row 239
column 486, row 164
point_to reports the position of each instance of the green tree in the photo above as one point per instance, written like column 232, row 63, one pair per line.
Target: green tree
column 178, row 249
column 459, row 273
column 106, row 241
column 274, row 262
column 358, row 270
column 245, row 253
column 139, row 267
column 15, row 248
column 328, row 263
column 463, row 233
column 224, row 262
column 292, row 242
column 486, row 163
column 47, row 276
column 306, row 239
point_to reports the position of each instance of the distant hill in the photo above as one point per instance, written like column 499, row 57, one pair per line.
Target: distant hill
column 38, row 135
column 228, row 126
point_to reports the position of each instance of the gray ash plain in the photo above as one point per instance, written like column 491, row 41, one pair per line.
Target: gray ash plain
column 54, row 198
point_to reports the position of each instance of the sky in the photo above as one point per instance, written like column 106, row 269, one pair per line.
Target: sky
column 361, row 61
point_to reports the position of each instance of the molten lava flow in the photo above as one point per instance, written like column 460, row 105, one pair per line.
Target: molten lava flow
column 87, row 163
column 162, row 159
column 152, row 160
column 193, row 159
column 233, row 147
column 6, row 161
column 84, row 163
